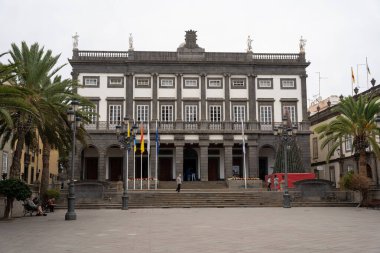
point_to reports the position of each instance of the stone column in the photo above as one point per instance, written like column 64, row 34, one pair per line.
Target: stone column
column 227, row 96
column 102, row 165
column 253, row 159
column 204, row 160
column 203, row 96
column 129, row 95
column 179, row 97
column 154, row 104
column 152, row 160
column 130, row 166
column 228, row 160
column 304, row 97
column 252, row 97
column 179, row 157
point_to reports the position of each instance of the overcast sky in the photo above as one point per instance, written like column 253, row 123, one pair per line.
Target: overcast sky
column 340, row 34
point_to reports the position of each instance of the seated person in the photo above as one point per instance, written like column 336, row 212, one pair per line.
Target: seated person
column 51, row 204
column 35, row 207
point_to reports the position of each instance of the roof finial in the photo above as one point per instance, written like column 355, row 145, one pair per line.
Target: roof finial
column 75, row 41
column 302, row 45
column 130, row 42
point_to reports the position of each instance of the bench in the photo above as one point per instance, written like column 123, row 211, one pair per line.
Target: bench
column 28, row 210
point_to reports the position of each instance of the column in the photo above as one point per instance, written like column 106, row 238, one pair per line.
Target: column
column 252, row 97
column 204, row 161
column 129, row 95
column 152, row 159
column 179, row 158
column 203, row 97
column 179, row 97
column 227, row 97
column 253, row 159
column 154, row 104
column 102, row 165
column 304, row 97
column 228, row 160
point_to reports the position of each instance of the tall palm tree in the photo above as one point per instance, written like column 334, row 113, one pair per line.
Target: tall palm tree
column 357, row 118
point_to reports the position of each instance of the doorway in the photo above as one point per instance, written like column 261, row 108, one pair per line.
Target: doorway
column 91, row 168
column 213, row 168
column 115, row 168
column 263, row 167
column 190, row 161
column 166, row 168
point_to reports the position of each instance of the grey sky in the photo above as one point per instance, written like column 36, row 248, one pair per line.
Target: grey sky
column 339, row 34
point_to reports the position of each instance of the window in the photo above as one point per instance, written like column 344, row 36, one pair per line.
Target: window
column 115, row 81
column 166, row 82
column 291, row 110
column 167, row 113
column 332, row 173
column 142, row 113
column 191, row 112
column 238, row 83
column 215, row 83
column 91, row 81
column 92, row 114
column 114, row 114
column 315, row 147
column 215, row 113
column 266, row 114
column 239, row 113
column 265, row 83
column 5, row 163
column 143, row 82
column 191, row 83
column 288, row 83
column 348, row 143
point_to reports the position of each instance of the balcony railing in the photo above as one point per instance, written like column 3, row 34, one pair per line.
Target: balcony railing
column 217, row 127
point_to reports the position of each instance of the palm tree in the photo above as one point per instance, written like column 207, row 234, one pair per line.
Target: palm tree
column 357, row 118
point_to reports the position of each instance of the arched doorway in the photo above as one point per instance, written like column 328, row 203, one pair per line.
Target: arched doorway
column 266, row 160
column 115, row 163
column 190, row 163
column 90, row 160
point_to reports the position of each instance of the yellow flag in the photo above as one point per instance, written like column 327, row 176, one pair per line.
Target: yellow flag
column 142, row 148
column 352, row 75
column 129, row 130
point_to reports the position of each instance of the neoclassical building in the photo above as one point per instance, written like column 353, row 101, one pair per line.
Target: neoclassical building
column 199, row 100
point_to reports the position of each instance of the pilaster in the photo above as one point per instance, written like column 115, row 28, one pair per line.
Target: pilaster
column 154, row 105
column 253, row 158
column 204, row 160
column 129, row 95
column 227, row 98
column 252, row 97
column 102, row 165
column 228, row 144
column 179, row 145
column 304, row 97
column 203, row 96
column 179, row 97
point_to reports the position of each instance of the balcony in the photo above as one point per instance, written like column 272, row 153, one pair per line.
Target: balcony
column 197, row 127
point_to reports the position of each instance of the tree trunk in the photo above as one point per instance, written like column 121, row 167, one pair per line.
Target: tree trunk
column 8, row 208
column 363, row 163
column 45, row 167
column 14, row 171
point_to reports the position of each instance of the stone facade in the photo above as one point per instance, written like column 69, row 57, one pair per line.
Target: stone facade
column 198, row 100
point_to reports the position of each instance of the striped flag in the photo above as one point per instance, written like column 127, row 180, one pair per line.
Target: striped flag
column 134, row 144
column 366, row 63
column 352, row 75
column 142, row 148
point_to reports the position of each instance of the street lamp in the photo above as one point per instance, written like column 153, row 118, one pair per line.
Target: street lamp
column 74, row 120
column 125, row 135
column 286, row 133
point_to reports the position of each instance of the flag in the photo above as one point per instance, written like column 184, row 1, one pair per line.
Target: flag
column 157, row 139
column 352, row 75
column 134, row 144
column 142, row 148
column 128, row 131
column 366, row 62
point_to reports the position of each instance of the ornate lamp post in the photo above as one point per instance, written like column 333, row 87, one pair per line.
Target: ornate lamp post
column 286, row 133
column 74, row 120
column 125, row 136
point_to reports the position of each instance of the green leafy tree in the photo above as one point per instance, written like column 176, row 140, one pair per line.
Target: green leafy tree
column 13, row 189
column 357, row 118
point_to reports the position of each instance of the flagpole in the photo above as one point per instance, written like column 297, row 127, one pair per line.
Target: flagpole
column 141, row 171
column 366, row 67
column 245, row 170
column 134, row 169
column 155, row 185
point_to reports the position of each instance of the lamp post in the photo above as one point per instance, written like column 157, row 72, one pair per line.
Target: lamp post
column 74, row 120
column 286, row 133
column 124, row 136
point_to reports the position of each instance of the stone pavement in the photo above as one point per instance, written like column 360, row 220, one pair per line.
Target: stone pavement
column 203, row 230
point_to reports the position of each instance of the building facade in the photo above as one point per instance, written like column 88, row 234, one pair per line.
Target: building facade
column 198, row 100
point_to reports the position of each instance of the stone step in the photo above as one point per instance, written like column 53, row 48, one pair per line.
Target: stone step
column 193, row 185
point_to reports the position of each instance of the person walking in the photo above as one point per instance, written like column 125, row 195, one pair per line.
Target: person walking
column 275, row 183
column 269, row 183
column 179, row 182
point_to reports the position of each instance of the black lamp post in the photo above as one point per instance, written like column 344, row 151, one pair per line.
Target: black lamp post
column 74, row 120
column 286, row 133
column 125, row 136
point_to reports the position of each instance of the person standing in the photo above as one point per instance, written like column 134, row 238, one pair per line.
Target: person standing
column 275, row 183
column 269, row 183
column 179, row 182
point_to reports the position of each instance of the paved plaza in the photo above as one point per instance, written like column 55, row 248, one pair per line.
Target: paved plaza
column 302, row 229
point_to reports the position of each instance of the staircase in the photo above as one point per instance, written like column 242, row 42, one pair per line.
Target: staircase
column 212, row 198
column 193, row 185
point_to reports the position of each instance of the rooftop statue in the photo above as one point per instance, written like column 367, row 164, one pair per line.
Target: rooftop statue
column 130, row 42
column 75, row 41
column 302, row 45
column 249, row 44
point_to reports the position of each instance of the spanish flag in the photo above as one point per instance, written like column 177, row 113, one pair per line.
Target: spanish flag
column 352, row 75
column 128, row 131
column 142, row 148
